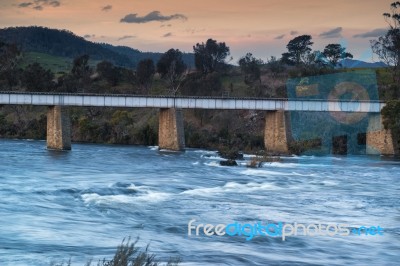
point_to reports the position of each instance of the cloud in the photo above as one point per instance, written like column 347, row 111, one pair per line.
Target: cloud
column 193, row 30
column 126, row 37
column 54, row 3
column 40, row 4
column 26, row 4
column 334, row 33
column 152, row 16
column 106, row 8
column 280, row 37
column 371, row 34
column 169, row 34
column 294, row 32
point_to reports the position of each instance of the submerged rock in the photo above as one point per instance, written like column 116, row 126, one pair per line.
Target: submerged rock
column 231, row 155
column 228, row 163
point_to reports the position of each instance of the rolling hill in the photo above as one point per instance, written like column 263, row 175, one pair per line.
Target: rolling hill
column 63, row 43
column 351, row 63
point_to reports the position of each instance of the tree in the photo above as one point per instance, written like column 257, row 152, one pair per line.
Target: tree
column 172, row 69
column 36, row 78
column 316, row 59
column 275, row 66
column 334, row 52
column 298, row 50
column 79, row 79
column 250, row 66
column 81, row 66
column 81, row 72
column 109, row 72
column 9, row 55
column 387, row 47
column 209, row 56
column 145, row 72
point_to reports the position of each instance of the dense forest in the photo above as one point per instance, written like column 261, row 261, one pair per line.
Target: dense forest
column 66, row 44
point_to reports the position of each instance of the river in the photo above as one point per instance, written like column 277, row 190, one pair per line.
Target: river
column 81, row 204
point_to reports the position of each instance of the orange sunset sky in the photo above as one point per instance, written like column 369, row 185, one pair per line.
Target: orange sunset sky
column 262, row 27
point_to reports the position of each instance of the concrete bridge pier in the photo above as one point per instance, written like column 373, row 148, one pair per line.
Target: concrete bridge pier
column 277, row 132
column 171, row 134
column 58, row 128
column 379, row 140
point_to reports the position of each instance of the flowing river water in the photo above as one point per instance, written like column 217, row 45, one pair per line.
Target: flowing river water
column 81, row 204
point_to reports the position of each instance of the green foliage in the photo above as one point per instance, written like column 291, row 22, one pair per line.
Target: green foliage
column 275, row 66
column 4, row 125
column 210, row 56
column 107, row 71
column 172, row 69
column 334, row 52
column 87, row 129
column 36, row 128
column 147, row 135
column 68, row 83
column 36, row 78
column 197, row 85
column 120, row 117
column 145, row 72
column 121, row 122
column 171, row 63
column 250, row 66
column 135, row 56
column 56, row 64
column 196, row 139
column 299, row 49
column 391, row 115
column 81, row 72
column 387, row 47
column 81, row 68
column 9, row 57
column 60, row 43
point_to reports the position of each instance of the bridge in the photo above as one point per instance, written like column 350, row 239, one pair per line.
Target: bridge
column 171, row 131
column 185, row 102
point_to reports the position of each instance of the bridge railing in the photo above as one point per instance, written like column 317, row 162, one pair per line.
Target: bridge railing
column 199, row 102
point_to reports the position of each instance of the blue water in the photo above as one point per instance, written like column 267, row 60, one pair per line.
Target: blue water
column 81, row 204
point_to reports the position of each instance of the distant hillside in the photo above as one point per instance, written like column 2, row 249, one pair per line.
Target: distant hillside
column 350, row 63
column 64, row 43
column 135, row 55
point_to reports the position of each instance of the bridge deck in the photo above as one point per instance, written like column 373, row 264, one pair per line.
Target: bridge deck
column 187, row 102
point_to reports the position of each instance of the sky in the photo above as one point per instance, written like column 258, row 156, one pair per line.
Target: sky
column 261, row 27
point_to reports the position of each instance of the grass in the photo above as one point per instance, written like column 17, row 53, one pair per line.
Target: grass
column 128, row 254
column 56, row 64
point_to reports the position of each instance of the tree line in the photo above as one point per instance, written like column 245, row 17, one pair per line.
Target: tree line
column 209, row 57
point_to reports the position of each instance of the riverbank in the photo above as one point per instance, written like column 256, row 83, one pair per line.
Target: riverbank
column 204, row 129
